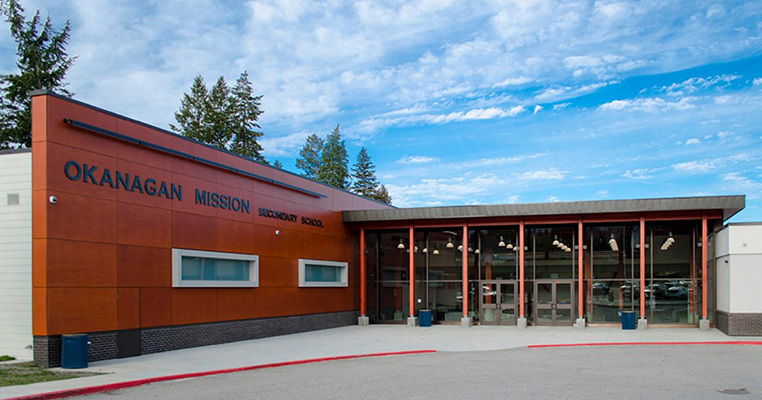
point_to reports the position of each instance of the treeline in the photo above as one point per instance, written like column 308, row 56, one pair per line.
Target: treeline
column 221, row 116
column 228, row 119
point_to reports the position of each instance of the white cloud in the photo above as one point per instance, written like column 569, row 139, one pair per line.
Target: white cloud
column 513, row 199
column 288, row 145
column 602, row 193
column 537, row 109
column 698, row 166
column 492, row 162
column 417, row 160
column 538, row 175
column 641, row 173
column 649, row 105
column 743, row 185
column 552, row 199
column 692, row 141
column 757, row 82
column 513, row 82
column 694, row 84
column 560, row 106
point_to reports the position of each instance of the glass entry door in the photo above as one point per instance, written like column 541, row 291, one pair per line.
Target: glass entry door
column 498, row 303
column 554, row 302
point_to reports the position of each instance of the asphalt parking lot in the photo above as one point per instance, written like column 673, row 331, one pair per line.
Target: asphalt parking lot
column 595, row 372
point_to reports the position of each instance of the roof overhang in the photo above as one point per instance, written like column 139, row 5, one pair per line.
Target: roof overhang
column 730, row 205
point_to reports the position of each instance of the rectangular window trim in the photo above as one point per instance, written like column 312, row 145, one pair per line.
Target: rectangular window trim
column 178, row 281
column 344, row 273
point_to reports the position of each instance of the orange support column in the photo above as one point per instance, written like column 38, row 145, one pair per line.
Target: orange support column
column 363, row 307
column 704, row 322
column 580, row 276
column 522, row 318
column 363, row 320
column 642, row 268
column 412, row 276
column 466, row 321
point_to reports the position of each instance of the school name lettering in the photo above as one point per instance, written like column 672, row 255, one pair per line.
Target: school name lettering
column 120, row 180
column 284, row 216
column 92, row 174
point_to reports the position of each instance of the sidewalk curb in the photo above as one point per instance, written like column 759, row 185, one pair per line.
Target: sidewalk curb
column 139, row 382
column 747, row 343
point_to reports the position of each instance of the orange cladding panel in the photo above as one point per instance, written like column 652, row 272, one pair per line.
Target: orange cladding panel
column 81, row 264
column 128, row 312
column 77, row 310
column 139, row 266
column 155, row 307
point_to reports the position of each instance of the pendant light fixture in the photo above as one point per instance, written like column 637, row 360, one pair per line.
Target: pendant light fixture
column 509, row 246
column 435, row 252
column 449, row 243
column 502, row 242
column 555, row 241
column 401, row 246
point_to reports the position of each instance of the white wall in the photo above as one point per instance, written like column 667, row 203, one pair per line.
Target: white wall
column 739, row 268
column 16, row 255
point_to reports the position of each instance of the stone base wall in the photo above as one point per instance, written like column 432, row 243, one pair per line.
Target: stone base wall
column 106, row 345
column 740, row 324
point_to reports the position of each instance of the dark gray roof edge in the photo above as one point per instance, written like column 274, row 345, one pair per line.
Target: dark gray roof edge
column 730, row 205
column 15, row 151
column 42, row 92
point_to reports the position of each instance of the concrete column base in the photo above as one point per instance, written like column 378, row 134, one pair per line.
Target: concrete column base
column 363, row 320
column 412, row 321
column 521, row 322
column 642, row 323
column 465, row 322
column 580, row 323
column 704, row 324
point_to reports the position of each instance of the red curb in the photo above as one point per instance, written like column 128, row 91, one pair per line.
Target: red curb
column 127, row 384
column 536, row 346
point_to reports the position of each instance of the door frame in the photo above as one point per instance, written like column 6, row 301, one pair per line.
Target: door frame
column 498, row 306
column 554, row 305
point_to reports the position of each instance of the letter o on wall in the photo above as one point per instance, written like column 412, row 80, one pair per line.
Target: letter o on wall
column 67, row 171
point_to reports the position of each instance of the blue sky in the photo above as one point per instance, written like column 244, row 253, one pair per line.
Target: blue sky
column 479, row 102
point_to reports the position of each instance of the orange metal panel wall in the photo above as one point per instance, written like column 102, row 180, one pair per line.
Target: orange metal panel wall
column 102, row 256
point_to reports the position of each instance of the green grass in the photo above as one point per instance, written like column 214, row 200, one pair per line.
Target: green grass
column 6, row 358
column 28, row 372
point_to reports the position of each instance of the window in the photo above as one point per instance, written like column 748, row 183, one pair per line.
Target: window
column 318, row 273
column 192, row 268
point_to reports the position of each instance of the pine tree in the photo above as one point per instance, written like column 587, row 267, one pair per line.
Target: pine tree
column 219, row 115
column 278, row 164
column 309, row 156
column 42, row 63
column 333, row 162
column 191, row 117
column 246, row 113
column 382, row 195
column 364, row 175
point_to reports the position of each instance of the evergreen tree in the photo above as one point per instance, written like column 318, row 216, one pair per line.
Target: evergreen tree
column 364, row 175
column 219, row 115
column 246, row 112
column 309, row 156
column 278, row 164
column 42, row 63
column 191, row 117
column 333, row 162
column 382, row 195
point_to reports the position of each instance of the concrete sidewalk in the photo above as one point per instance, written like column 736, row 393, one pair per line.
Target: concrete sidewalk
column 354, row 340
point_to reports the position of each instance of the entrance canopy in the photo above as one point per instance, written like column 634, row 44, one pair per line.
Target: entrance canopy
column 728, row 205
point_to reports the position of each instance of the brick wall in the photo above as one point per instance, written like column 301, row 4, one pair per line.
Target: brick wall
column 105, row 345
column 739, row 324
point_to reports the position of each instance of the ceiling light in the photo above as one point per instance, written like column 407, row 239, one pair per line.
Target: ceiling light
column 449, row 243
column 476, row 251
column 435, row 252
column 555, row 241
column 425, row 250
column 510, row 246
column 460, row 247
column 401, row 245
column 502, row 242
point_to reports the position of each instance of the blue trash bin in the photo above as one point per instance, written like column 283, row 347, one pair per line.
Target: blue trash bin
column 628, row 320
column 74, row 351
column 424, row 318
